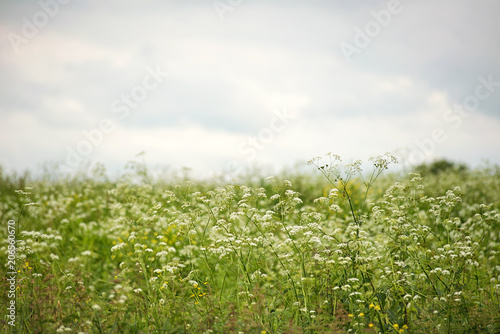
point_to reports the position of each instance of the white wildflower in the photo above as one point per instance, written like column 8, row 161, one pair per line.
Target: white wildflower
column 117, row 247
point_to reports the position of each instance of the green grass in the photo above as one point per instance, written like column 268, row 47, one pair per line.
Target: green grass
column 331, row 251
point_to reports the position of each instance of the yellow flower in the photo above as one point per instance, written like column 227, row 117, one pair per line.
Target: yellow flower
column 371, row 305
column 350, row 315
column 377, row 308
column 361, row 315
column 405, row 327
column 396, row 326
column 370, row 325
column 196, row 303
column 263, row 332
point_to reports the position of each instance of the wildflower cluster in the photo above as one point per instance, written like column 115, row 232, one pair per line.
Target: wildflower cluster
column 343, row 253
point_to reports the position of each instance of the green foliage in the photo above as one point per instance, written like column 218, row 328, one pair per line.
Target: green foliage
column 343, row 250
column 440, row 166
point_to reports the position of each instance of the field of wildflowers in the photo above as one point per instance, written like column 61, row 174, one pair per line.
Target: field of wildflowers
column 332, row 251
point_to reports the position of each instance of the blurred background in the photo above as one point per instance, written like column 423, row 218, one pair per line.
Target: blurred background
column 221, row 86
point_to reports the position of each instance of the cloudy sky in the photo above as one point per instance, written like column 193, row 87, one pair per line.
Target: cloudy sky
column 219, row 85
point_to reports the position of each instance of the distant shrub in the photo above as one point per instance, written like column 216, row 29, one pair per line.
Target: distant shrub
column 439, row 166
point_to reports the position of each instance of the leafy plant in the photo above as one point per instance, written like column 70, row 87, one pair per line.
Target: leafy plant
column 355, row 251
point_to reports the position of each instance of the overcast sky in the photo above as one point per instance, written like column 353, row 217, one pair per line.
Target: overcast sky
column 219, row 85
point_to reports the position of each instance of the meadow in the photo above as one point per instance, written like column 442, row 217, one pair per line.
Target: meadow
column 335, row 249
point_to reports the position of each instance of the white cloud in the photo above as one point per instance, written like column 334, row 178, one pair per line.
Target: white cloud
column 227, row 77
